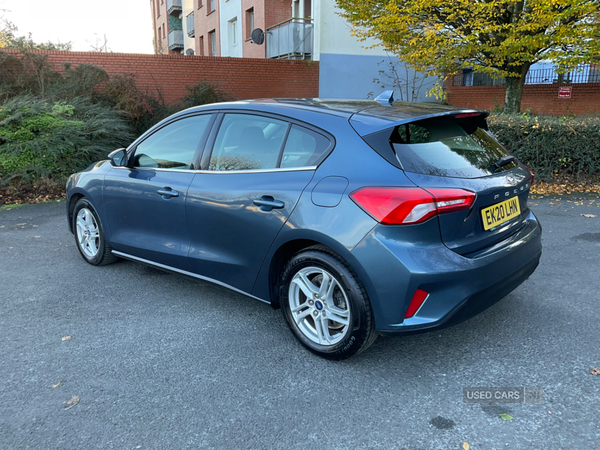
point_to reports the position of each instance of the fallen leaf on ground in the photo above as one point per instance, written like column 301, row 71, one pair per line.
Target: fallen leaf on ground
column 66, row 338
column 506, row 417
column 589, row 216
column 466, row 446
column 70, row 403
column 59, row 384
column 595, row 371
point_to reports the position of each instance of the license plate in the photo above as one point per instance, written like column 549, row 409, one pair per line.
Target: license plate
column 500, row 212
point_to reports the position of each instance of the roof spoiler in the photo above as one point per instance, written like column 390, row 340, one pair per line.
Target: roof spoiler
column 386, row 98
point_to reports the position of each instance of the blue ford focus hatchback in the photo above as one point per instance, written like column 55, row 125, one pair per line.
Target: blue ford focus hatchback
column 357, row 218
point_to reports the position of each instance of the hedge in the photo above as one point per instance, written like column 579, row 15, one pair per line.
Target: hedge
column 551, row 145
column 40, row 139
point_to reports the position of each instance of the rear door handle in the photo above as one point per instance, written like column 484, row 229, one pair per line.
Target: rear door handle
column 268, row 203
column 167, row 193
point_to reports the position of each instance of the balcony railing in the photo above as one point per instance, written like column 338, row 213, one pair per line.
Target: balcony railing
column 582, row 74
column 291, row 39
column 175, row 39
column 189, row 25
column 173, row 6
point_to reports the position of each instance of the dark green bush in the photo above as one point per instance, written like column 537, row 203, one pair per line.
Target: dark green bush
column 204, row 93
column 39, row 139
column 551, row 145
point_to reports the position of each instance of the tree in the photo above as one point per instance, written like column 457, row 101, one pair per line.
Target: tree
column 399, row 77
column 9, row 39
column 100, row 45
column 7, row 33
column 502, row 38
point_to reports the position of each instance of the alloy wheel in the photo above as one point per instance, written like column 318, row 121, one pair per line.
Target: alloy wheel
column 319, row 306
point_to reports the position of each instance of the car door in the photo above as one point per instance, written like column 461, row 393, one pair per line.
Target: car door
column 145, row 202
column 253, row 178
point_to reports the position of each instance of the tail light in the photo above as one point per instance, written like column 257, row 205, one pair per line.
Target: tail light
column 532, row 176
column 401, row 206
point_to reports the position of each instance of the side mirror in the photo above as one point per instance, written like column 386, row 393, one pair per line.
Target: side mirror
column 118, row 158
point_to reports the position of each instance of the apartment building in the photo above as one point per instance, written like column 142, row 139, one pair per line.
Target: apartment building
column 292, row 29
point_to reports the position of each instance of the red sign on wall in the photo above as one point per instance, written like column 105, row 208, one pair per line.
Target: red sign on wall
column 564, row 92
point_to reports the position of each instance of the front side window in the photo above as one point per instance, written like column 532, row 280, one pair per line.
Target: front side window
column 173, row 146
column 248, row 142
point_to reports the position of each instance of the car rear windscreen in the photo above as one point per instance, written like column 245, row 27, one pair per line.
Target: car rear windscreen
column 448, row 147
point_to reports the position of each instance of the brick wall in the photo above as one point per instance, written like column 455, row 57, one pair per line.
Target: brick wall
column 244, row 78
column 538, row 98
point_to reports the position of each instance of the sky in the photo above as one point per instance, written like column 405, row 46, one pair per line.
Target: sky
column 127, row 24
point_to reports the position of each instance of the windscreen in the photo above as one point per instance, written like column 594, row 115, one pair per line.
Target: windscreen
column 448, row 147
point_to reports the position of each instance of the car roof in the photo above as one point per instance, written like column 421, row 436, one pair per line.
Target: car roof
column 366, row 116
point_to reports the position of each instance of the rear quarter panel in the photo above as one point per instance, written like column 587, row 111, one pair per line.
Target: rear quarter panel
column 344, row 226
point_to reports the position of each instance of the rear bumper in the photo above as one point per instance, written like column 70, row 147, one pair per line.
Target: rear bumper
column 394, row 264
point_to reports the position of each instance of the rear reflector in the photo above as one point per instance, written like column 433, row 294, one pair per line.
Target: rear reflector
column 416, row 302
column 402, row 206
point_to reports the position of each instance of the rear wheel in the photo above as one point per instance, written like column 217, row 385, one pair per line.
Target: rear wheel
column 325, row 304
column 89, row 235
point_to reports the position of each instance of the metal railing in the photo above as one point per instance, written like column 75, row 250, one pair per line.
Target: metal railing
column 173, row 6
column 581, row 74
column 175, row 39
column 290, row 39
column 189, row 25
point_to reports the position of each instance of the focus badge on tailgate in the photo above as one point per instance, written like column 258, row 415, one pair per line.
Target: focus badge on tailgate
column 500, row 212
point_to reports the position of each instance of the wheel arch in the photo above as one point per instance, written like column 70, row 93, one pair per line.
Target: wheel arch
column 71, row 202
column 268, row 278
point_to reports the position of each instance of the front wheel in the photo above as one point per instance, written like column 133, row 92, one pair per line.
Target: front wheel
column 89, row 235
column 326, row 305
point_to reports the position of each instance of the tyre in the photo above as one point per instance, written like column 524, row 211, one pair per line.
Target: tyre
column 325, row 304
column 89, row 235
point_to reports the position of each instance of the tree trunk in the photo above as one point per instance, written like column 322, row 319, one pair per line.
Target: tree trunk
column 514, row 91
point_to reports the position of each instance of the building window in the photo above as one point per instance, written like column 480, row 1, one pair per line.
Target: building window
column 212, row 43
column 164, row 34
column 211, row 6
column 233, row 31
column 201, row 45
column 249, row 22
column 199, row 4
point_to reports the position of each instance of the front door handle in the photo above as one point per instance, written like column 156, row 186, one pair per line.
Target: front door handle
column 167, row 193
column 268, row 203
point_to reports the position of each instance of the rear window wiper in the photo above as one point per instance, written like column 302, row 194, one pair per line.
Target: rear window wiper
column 502, row 162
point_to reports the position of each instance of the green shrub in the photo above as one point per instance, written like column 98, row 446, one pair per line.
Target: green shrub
column 204, row 93
column 39, row 139
column 551, row 145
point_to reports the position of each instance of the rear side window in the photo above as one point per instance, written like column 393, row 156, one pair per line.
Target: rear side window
column 303, row 147
column 448, row 147
column 247, row 142
column 253, row 142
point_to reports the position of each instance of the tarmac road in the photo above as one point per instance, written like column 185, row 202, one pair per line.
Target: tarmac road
column 161, row 362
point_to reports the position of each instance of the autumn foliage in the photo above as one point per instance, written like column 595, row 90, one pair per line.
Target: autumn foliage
column 500, row 38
